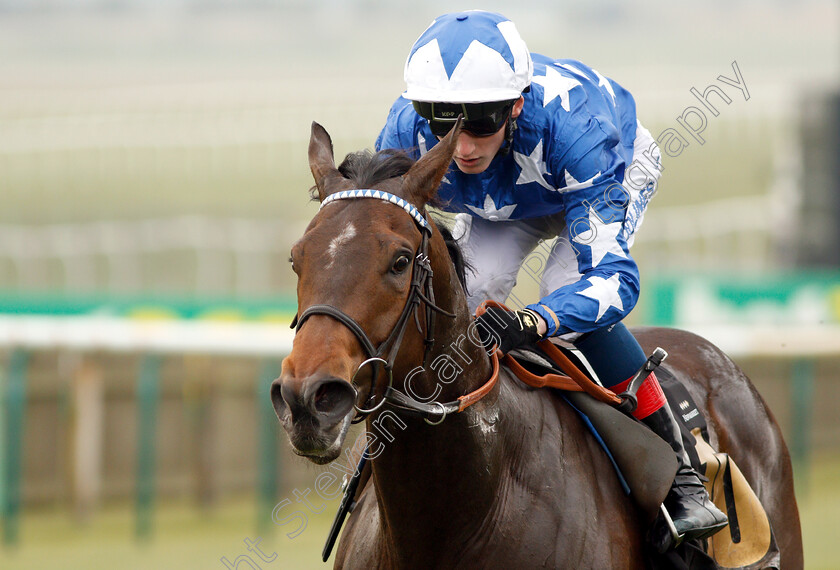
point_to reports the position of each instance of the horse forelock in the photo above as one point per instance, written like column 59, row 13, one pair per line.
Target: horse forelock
column 365, row 169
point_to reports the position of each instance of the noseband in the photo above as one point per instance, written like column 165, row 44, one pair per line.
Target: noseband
column 420, row 292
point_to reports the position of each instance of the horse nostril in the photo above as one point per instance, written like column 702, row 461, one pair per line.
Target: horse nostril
column 326, row 400
column 333, row 398
column 277, row 400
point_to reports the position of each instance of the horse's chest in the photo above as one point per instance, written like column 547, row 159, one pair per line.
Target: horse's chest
column 540, row 525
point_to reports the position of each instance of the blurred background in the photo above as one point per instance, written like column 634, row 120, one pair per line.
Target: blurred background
column 153, row 175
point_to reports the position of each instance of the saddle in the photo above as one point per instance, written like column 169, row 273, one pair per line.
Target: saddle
column 644, row 464
column 748, row 540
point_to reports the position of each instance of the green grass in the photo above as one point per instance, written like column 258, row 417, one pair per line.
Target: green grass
column 819, row 509
column 187, row 538
column 184, row 538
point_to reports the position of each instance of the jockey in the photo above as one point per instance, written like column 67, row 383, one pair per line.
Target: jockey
column 550, row 148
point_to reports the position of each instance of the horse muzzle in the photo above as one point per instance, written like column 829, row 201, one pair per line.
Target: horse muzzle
column 316, row 414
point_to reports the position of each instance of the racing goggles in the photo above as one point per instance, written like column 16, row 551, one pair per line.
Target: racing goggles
column 480, row 119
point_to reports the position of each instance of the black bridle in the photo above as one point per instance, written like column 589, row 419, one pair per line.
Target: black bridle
column 420, row 293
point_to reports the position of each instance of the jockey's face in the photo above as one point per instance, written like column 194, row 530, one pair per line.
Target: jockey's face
column 474, row 154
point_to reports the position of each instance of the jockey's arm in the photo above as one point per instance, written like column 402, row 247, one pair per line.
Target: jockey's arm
column 608, row 287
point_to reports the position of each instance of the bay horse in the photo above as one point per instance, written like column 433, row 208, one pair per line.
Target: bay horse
column 508, row 477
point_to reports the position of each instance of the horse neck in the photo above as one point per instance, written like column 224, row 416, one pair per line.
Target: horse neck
column 421, row 470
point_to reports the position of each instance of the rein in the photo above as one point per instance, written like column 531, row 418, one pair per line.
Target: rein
column 576, row 381
column 420, row 292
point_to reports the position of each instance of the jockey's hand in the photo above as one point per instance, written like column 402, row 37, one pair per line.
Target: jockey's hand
column 508, row 329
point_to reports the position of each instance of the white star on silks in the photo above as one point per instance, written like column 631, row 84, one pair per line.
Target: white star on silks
column 571, row 68
column 602, row 82
column 491, row 212
column 533, row 167
column 573, row 184
column 603, row 242
column 605, row 291
column 555, row 84
column 421, row 144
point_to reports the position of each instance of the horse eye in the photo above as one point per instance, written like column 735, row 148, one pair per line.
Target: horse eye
column 401, row 264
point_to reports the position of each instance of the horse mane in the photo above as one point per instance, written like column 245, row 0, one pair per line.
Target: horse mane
column 455, row 253
column 366, row 168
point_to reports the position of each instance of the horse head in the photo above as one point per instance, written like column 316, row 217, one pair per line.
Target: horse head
column 357, row 267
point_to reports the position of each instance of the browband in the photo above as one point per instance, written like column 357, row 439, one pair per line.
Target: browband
column 380, row 195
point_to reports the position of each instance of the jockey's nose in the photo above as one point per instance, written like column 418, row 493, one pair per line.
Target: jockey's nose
column 465, row 145
column 326, row 400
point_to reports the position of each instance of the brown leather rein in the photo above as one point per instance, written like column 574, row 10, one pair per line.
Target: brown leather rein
column 576, row 381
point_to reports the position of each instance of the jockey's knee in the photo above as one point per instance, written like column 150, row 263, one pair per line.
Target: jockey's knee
column 613, row 352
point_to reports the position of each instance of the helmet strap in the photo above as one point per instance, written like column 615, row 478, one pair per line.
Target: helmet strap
column 510, row 127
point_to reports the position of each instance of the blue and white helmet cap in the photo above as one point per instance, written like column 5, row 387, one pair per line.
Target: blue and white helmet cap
column 468, row 57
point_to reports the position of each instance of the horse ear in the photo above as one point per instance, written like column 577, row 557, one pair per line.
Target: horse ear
column 423, row 178
column 321, row 159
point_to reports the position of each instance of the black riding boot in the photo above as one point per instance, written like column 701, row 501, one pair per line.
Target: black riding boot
column 693, row 513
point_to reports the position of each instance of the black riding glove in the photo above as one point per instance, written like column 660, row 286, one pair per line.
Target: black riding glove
column 507, row 329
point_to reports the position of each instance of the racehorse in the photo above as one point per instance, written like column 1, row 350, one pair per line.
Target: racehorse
column 508, row 476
